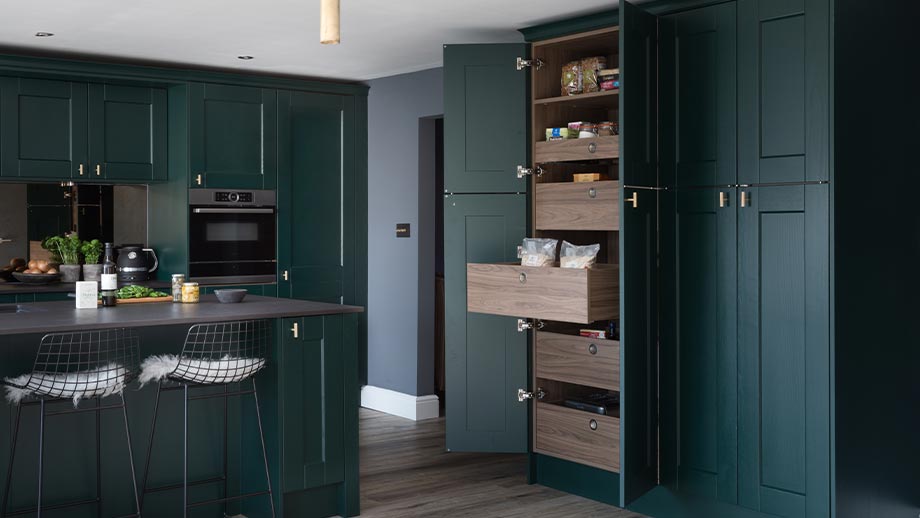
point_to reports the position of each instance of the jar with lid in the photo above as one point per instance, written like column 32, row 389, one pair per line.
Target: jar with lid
column 190, row 293
column 178, row 279
column 587, row 130
column 607, row 129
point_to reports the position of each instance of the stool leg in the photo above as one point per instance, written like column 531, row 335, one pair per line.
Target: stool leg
column 98, row 413
column 124, row 411
column 268, row 478
column 153, row 432
column 185, row 452
column 41, row 456
column 9, row 469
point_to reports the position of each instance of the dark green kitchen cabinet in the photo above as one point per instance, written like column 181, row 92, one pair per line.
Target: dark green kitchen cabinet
column 232, row 136
column 43, row 129
column 127, row 133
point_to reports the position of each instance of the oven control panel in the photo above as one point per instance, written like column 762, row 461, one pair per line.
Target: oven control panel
column 233, row 197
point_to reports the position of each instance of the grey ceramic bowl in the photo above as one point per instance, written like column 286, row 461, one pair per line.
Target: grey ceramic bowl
column 230, row 296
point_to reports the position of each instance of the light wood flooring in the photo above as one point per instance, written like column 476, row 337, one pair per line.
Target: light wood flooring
column 406, row 472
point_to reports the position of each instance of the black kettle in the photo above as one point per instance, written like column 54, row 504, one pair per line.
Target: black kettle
column 134, row 263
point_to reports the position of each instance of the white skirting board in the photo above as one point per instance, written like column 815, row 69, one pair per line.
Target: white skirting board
column 416, row 408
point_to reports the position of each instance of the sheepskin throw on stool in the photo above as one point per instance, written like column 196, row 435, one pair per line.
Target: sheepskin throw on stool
column 102, row 381
column 228, row 369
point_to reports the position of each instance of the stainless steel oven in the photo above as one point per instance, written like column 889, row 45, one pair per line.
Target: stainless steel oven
column 232, row 236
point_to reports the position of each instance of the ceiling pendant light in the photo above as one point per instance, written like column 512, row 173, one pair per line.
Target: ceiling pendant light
column 329, row 22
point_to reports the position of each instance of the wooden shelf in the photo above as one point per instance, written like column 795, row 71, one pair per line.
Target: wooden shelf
column 582, row 437
column 577, row 206
column 603, row 99
column 569, row 359
column 577, row 150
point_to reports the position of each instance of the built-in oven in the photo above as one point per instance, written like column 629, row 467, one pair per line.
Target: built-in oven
column 232, row 236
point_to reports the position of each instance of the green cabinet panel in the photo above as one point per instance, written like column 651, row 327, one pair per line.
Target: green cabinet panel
column 232, row 136
column 485, row 118
column 127, row 133
column 698, row 96
column 638, row 90
column 312, row 402
column 43, row 129
column 486, row 357
column 784, row 351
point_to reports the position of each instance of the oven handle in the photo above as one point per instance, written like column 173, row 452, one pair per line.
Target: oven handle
column 238, row 210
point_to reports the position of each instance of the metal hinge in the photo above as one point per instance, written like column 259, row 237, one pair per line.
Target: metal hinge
column 524, row 395
column 527, row 171
column 535, row 62
column 525, row 325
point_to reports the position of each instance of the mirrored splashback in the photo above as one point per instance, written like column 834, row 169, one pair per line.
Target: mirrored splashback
column 31, row 212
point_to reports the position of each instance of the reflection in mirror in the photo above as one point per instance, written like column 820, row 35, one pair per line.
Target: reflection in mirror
column 31, row 212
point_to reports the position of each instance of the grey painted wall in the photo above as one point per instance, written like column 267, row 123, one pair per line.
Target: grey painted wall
column 397, row 358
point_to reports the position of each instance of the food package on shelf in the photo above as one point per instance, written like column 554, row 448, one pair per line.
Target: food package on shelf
column 589, row 75
column 571, row 78
column 538, row 252
column 560, row 134
column 574, row 256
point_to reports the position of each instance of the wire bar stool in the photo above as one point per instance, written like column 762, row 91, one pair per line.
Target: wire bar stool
column 214, row 354
column 70, row 367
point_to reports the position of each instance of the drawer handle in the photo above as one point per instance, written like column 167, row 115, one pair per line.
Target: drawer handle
column 592, row 349
column 522, row 278
column 593, row 424
column 592, row 147
column 592, row 193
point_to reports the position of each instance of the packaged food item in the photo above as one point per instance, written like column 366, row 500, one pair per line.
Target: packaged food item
column 574, row 127
column 560, row 134
column 574, row 256
column 589, row 68
column 599, row 334
column 178, row 279
column 609, row 79
column 571, row 78
column 608, row 128
column 538, row 252
column 586, row 177
column 588, row 130
column 191, row 294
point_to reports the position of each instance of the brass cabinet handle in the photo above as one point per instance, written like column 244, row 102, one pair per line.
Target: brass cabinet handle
column 296, row 330
column 745, row 199
column 592, row 193
column 593, row 424
column 198, row 179
column 284, row 274
column 634, row 200
column 80, row 169
column 98, row 170
column 723, row 199
column 592, row 348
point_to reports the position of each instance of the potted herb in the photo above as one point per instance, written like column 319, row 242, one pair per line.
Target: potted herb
column 92, row 251
column 67, row 247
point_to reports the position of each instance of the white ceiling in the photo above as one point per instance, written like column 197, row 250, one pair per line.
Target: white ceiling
column 379, row 37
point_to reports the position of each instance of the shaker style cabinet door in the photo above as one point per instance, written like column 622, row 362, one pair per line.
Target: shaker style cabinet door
column 232, row 132
column 127, row 133
column 485, row 118
column 43, row 129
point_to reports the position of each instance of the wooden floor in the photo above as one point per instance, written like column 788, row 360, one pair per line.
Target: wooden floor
column 406, row 472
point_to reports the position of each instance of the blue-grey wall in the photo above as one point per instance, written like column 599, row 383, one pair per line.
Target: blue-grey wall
column 400, row 350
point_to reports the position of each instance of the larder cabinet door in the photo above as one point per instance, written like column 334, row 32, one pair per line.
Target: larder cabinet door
column 486, row 357
column 784, row 351
column 485, row 118
column 127, row 133
column 43, row 129
column 232, row 132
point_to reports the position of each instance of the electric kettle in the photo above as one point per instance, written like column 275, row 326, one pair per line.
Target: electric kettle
column 134, row 263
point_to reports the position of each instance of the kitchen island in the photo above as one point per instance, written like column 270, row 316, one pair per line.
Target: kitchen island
column 308, row 395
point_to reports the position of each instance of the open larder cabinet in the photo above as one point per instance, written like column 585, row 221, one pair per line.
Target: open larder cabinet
column 521, row 375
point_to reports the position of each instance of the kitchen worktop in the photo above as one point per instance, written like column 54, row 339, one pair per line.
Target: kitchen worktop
column 48, row 317
column 20, row 288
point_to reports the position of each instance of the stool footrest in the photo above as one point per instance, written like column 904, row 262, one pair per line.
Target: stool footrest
column 52, row 507
column 229, row 499
column 179, row 485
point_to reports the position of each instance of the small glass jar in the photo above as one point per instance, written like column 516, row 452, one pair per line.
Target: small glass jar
column 178, row 279
column 607, row 129
column 587, row 130
column 190, row 293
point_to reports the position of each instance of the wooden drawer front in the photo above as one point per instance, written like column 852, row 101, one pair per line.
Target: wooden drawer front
column 578, row 206
column 569, row 359
column 566, row 433
column 551, row 293
column 577, row 149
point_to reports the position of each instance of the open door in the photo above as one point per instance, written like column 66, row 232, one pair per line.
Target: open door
column 638, row 252
column 485, row 218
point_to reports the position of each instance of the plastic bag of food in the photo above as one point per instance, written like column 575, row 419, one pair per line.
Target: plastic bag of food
column 538, row 252
column 574, row 256
column 571, row 78
column 589, row 68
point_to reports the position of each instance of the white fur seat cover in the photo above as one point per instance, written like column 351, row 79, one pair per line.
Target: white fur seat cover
column 227, row 369
column 101, row 381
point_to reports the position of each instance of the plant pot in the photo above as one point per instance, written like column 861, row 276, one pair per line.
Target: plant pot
column 92, row 272
column 70, row 272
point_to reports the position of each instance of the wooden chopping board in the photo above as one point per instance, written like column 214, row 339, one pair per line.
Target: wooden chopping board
column 143, row 300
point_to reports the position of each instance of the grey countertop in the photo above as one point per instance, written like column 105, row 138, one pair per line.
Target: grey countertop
column 49, row 317
column 20, row 288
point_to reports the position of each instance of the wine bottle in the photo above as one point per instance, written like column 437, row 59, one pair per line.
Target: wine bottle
column 109, row 279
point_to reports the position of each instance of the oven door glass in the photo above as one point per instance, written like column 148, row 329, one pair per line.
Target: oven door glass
column 231, row 234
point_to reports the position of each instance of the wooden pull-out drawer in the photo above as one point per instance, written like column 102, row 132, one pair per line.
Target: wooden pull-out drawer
column 578, row 436
column 548, row 293
column 597, row 148
column 578, row 360
column 577, row 206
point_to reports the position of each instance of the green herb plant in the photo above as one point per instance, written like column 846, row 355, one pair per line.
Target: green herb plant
column 67, row 247
column 92, row 251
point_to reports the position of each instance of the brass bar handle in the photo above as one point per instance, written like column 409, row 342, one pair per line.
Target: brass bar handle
column 285, row 275
column 80, row 169
column 723, row 199
column 198, row 179
column 98, row 170
column 296, row 330
column 634, row 200
column 745, row 199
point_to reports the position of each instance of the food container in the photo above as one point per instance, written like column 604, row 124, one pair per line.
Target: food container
column 178, row 279
column 607, row 129
column 190, row 293
column 586, row 177
column 588, row 130
column 571, row 78
column 590, row 78
column 560, row 134
column 609, row 79
column 574, row 127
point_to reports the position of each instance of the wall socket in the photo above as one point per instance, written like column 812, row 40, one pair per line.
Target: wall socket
column 402, row 230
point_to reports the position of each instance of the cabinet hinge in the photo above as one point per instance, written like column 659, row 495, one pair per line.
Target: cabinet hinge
column 525, row 325
column 527, row 171
column 535, row 62
column 524, row 395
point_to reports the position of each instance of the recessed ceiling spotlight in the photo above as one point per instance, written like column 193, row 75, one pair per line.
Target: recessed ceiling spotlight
column 42, row 34
column 244, row 58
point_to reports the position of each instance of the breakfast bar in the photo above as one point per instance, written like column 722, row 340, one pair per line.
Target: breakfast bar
column 308, row 396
